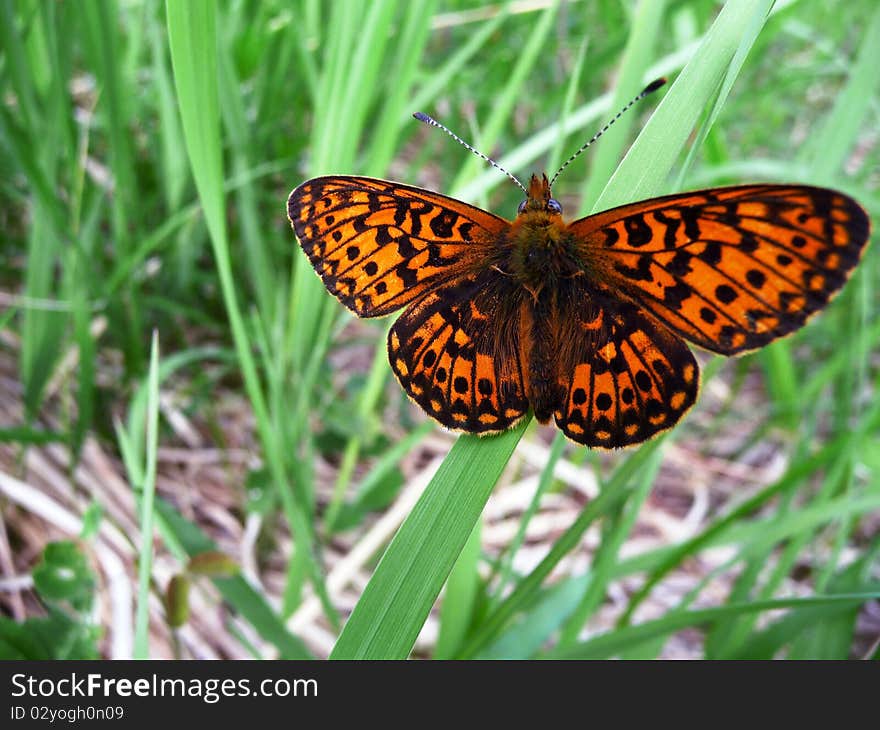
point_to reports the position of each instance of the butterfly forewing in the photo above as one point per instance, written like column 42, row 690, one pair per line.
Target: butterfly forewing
column 379, row 245
column 729, row 269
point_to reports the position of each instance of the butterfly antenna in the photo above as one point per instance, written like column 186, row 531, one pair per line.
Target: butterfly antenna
column 650, row 88
column 422, row 117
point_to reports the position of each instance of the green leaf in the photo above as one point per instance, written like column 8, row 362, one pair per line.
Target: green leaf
column 58, row 636
column 64, row 576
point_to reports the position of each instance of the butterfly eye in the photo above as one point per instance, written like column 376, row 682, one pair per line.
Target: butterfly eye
column 554, row 206
column 522, row 206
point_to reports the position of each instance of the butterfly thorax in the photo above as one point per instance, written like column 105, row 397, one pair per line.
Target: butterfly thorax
column 540, row 249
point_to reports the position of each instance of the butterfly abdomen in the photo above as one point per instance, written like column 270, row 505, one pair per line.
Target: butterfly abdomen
column 540, row 332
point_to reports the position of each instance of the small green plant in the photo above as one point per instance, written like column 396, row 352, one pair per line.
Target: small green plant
column 65, row 585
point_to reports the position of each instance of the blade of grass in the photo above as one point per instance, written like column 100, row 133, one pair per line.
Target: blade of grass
column 643, row 171
column 100, row 20
column 369, row 396
column 185, row 539
column 192, row 39
column 371, row 493
column 85, row 386
column 798, row 472
column 555, row 158
column 828, row 147
column 643, row 36
column 525, row 637
column 172, row 159
column 508, row 96
column 546, row 479
column 609, row 645
column 42, row 331
column 395, row 112
column 831, row 636
column 439, row 81
column 147, row 494
column 612, row 494
column 387, row 618
column 460, row 597
column 727, row 636
column 618, row 529
column 256, row 259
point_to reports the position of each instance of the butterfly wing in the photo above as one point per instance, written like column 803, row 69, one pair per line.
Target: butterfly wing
column 456, row 352
column 622, row 376
column 380, row 245
column 729, row 269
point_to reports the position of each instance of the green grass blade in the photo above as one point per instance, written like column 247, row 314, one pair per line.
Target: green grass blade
column 460, row 597
column 390, row 613
column 256, row 258
column 560, row 147
column 524, row 638
column 439, row 81
column 637, row 56
column 193, row 42
column 369, row 397
column 395, row 108
column 675, row 555
column 832, row 142
column 86, row 345
column 147, row 496
column 505, row 574
column 612, row 495
column 509, row 95
column 610, row 645
column 814, row 633
column 617, row 530
column 651, row 157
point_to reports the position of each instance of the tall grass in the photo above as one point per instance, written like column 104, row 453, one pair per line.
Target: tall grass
column 148, row 151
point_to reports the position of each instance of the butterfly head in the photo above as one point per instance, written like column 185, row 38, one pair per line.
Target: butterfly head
column 538, row 199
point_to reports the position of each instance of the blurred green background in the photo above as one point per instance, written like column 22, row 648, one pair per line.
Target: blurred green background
column 171, row 366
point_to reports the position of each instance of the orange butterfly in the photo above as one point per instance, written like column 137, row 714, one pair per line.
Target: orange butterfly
column 585, row 321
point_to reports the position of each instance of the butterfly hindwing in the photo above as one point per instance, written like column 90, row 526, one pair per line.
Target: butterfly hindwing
column 729, row 269
column 456, row 354
column 622, row 376
column 380, row 245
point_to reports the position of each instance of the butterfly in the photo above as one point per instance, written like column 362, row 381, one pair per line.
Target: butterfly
column 583, row 322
